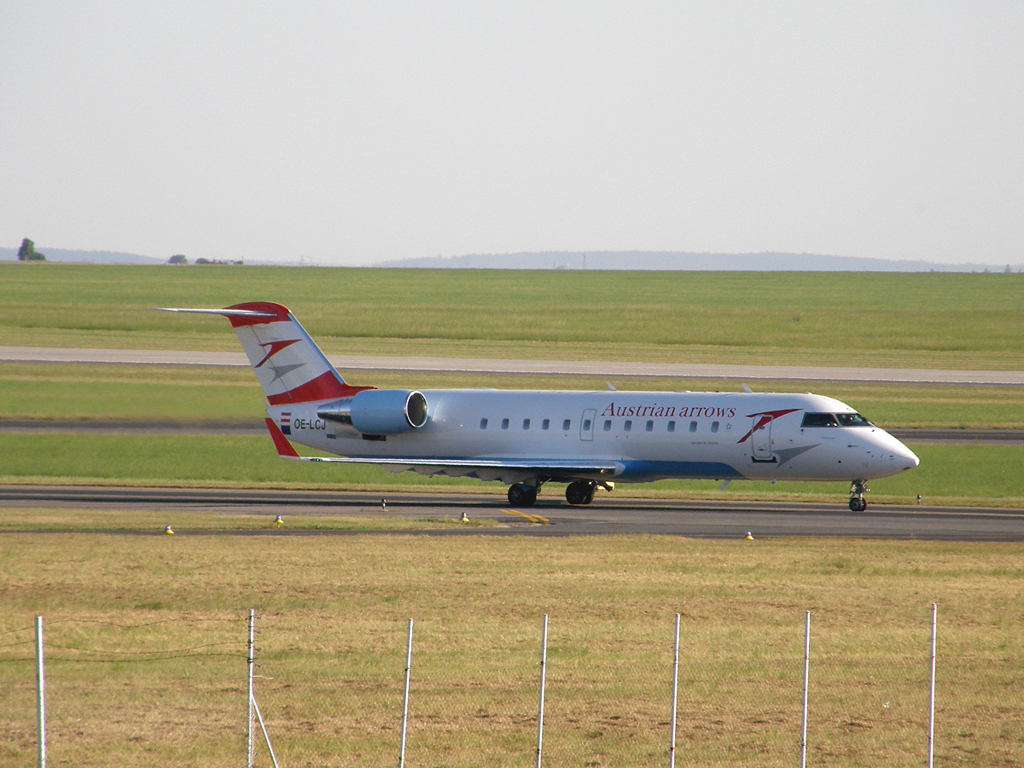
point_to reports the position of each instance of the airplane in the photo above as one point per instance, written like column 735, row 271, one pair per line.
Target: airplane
column 526, row 438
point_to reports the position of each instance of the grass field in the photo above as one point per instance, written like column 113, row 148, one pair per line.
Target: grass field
column 146, row 643
column 907, row 320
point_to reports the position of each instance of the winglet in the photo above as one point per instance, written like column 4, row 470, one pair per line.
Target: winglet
column 284, row 448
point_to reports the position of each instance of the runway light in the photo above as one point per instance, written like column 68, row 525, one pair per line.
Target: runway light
column 464, row 518
column 168, row 531
column 749, row 536
column 279, row 521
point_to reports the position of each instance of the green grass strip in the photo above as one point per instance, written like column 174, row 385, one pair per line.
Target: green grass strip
column 915, row 320
column 191, row 394
column 963, row 474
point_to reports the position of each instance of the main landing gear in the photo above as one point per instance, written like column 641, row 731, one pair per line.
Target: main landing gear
column 577, row 493
column 580, row 492
column 857, row 501
column 520, row 495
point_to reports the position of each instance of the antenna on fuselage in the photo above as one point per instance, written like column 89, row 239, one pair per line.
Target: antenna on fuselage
column 747, row 389
column 611, row 386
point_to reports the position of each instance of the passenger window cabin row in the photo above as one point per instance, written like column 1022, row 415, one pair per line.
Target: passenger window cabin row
column 627, row 426
column 809, row 420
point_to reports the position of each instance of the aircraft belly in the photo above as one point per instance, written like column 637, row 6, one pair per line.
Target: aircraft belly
column 645, row 471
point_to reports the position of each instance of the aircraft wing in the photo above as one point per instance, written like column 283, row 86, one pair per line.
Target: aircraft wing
column 508, row 470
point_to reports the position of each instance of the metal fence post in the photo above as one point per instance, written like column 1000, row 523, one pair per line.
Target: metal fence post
column 807, row 671
column 40, row 694
column 266, row 736
column 405, row 698
column 931, row 693
column 675, row 697
column 249, row 718
column 543, row 677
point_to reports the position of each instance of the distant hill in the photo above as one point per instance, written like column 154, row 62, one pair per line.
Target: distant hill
column 577, row 260
column 84, row 257
column 674, row 260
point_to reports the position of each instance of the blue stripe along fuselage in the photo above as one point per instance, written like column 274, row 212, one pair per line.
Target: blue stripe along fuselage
column 639, row 471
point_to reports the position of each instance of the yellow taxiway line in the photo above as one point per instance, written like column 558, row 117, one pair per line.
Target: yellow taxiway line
column 526, row 516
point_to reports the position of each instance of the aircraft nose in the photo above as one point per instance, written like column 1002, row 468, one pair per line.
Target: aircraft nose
column 907, row 458
column 892, row 456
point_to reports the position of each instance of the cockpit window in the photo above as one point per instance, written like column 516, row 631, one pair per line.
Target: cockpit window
column 819, row 420
column 834, row 420
column 852, row 420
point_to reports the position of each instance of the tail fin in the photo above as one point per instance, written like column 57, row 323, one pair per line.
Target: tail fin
column 288, row 363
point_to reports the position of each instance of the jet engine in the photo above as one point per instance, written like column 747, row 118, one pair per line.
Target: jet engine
column 378, row 411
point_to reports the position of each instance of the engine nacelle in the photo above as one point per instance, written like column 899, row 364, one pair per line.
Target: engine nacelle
column 378, row 411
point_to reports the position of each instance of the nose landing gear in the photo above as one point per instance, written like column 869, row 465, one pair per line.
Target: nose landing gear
column 857, row 501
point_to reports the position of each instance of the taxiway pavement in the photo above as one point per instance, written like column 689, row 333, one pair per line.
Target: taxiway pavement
column 551, row 516
column 529, row 367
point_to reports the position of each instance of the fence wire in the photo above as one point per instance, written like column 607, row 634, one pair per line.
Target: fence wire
column 135, row 694
column 122, row 693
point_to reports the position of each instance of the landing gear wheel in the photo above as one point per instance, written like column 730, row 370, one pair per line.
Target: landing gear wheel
column 521, row 496
column 857, row 501
column 580, row 492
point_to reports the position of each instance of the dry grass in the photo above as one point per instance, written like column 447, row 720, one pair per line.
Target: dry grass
column 137, row 626
column 144, row 521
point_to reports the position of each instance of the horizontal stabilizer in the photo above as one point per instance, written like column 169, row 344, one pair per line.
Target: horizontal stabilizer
column 224, row 312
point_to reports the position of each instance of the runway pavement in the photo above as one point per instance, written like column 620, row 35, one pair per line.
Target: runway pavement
column 550, row 517
column 531, row 367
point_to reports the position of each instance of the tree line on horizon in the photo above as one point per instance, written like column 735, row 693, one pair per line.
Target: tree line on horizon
column 180, row 258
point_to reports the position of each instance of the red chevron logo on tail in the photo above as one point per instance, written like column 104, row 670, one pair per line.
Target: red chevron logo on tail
column 275, row 347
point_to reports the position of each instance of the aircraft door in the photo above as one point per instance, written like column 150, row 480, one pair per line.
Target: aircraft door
column 761, row 438
column 587, row 424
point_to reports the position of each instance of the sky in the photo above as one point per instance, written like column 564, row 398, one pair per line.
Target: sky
column 350, row 133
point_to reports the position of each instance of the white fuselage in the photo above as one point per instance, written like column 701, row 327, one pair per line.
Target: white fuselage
column 649, row 435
